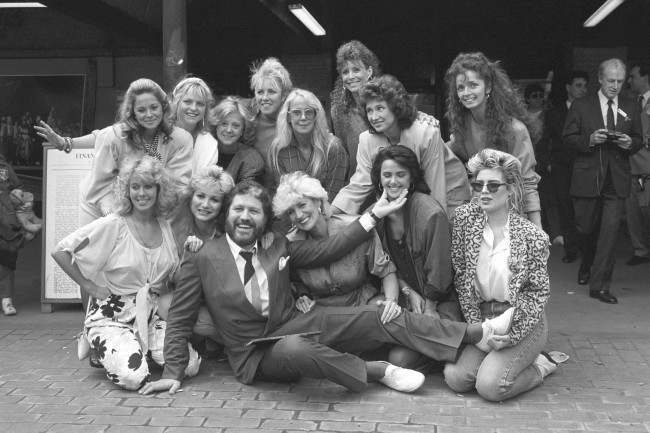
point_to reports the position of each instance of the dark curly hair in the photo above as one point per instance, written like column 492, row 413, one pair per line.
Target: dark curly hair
column 353, row 51
column 503, row 104
column 388, row 88
column 407, row 159
column 256, row 190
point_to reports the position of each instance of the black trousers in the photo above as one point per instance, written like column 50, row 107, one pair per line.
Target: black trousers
column 352, row 329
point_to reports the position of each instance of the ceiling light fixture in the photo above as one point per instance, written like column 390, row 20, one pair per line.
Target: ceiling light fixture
column 602, row 12
column 7, row 5
column 307, row 19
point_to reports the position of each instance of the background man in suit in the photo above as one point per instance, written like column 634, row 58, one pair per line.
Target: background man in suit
column 249, row 304
column 557, row 159
column 604, row 129
column 637, row 208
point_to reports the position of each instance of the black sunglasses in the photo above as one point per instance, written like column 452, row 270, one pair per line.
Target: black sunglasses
column 492, row 187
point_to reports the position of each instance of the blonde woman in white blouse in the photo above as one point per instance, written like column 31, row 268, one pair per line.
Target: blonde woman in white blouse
column 500, row 262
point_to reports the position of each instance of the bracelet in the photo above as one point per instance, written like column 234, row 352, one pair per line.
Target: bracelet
column 67, row 147
column 406, row 290
column 374, row 216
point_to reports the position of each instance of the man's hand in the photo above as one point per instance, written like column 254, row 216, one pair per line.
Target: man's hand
column 624, row 141
column 599, row 136
column 498, row 342
column 172, row 385
column 391, row 310
column 304, row 304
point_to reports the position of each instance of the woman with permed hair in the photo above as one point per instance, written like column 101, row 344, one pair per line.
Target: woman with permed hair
column 501, row 275
column 392, row 119
column 190, row 101
column 142, row 128
column 486, row 111
column 304, row 143
column 270, row 83
column 356, row 65
column 233, row 127
column 123, row 261
column 346, row 282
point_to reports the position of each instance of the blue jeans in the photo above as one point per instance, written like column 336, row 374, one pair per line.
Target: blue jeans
column 500, row 374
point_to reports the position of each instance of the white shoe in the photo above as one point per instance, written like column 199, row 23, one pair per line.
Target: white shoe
column 8, row 307
column 545, row 364
column 402, row 379
column 488, row 332
column 194, row 363
column 558, row 240
column 501, row 324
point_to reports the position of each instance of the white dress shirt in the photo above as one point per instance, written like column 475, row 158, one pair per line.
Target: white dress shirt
column 260, row 275
column 492, row 271
column 603, row 107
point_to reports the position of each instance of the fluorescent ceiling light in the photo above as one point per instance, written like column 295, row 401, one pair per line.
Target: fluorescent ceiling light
column 21, row 5
column 307, row 19
column 602, row 12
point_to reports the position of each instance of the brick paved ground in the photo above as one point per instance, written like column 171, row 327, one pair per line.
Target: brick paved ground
column 605, row 386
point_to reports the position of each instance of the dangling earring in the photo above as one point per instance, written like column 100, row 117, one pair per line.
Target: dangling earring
column 487, row 96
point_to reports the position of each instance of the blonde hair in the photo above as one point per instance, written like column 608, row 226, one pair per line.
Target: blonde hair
column 233, row 105
column 270, row 69
column 213, row 179
column 509, row 166
column 320, row 135
column 296, row 186
column 148, row 170
column 181, row 89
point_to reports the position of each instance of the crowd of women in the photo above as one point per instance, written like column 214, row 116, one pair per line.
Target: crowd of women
column 466, row 246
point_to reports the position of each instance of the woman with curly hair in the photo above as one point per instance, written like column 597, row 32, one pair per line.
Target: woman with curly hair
column 123, row 261
column 393, row 120
column 231, row 122
column 356, row 65
column 143, row 128
column 485, row 110
column 190, row 102
column 304, row 143
column 270, row 83
column 500, row 262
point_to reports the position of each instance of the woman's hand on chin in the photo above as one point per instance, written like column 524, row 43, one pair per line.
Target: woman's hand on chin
column 385, row 207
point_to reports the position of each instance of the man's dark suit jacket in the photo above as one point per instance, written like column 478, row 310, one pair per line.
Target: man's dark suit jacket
column 211, row 276
column 591, row 163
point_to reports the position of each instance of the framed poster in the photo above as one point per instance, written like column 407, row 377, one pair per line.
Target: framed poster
column 60, row 100
column 63, row 173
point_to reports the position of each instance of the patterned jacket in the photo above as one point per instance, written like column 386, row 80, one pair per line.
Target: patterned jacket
column 528, row 289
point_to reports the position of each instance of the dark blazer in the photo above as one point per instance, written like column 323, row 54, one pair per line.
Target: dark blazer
column 211, row 276
column 427, row 232
column 591, row 163
column 551, row 149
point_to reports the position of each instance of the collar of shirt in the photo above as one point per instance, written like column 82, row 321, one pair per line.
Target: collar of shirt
column 235, row 249
column 603, row 107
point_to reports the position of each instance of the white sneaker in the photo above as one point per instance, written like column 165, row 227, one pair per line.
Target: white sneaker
column 8, row 307
column 402, row 379
column 194, row 363
column 558, row 240
column 488, row 332
column 501, row 324
column 545, row 364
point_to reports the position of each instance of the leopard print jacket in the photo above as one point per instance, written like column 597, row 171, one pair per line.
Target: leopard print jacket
column 528, row 290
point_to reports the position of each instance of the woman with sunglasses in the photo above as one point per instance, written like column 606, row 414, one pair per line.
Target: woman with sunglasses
column 417, row 239
column 500, row 262
column 304, row 143
column 485, row 110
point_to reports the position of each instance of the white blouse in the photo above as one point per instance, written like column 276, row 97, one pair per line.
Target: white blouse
column 492, row 271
